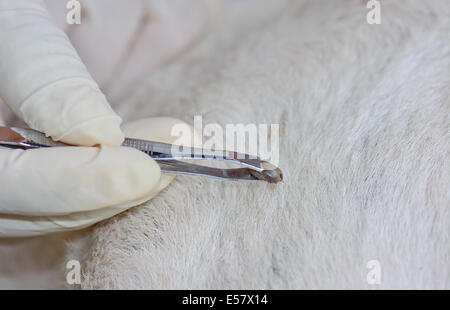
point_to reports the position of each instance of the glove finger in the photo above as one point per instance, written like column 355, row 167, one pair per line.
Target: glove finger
column 26, row 226
column 44, row 81
column 65, row 180
column 156, row 129
column 104, row 34
column 162, row 129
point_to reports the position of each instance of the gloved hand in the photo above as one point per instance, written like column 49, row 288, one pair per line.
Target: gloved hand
column 120, row 41
column 44, row 82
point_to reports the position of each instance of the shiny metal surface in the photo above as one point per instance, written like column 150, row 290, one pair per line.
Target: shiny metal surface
column 168, row 156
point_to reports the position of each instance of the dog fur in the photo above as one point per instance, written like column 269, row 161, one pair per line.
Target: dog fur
column 364, row 147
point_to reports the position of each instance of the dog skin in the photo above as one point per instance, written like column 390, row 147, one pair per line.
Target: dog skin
column 364, row 144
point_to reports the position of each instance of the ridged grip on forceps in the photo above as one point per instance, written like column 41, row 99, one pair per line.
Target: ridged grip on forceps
column 36, row 137
column 156, row 150
column 165, row 151
column 165, row 154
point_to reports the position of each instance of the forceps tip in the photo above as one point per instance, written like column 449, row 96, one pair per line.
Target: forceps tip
column 271, row 175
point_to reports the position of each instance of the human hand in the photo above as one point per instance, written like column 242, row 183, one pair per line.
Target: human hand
column 45, row 83
column 121, row 42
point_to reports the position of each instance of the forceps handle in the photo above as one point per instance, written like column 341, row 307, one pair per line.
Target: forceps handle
column 156, row 150
column 164, row 154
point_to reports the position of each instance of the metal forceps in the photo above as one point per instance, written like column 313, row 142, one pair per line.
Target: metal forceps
column 168, row 156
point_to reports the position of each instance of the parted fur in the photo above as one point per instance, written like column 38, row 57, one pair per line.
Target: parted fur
column 364, row 146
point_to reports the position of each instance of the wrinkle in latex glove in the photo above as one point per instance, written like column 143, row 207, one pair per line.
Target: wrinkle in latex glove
column 75, row 187
column 44, row 82
column 47, row 84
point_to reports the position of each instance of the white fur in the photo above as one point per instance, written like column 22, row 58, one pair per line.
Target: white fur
column 364, row 132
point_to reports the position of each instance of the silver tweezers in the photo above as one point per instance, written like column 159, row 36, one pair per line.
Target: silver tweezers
column 167, row 156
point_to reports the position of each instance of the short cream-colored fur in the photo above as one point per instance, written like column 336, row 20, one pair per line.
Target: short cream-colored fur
column 364, row 147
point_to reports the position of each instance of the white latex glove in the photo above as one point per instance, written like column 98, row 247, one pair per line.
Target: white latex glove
column 122, row 41
column 44, row 82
